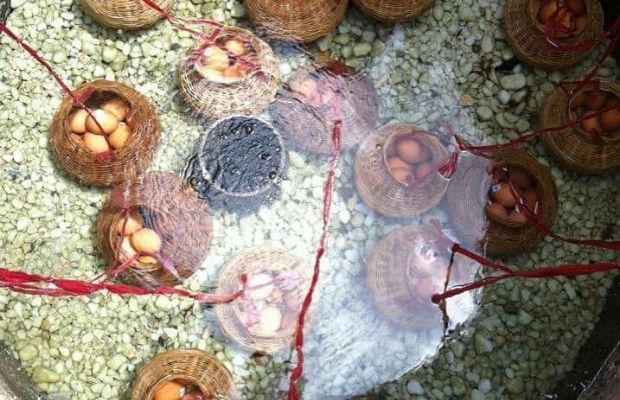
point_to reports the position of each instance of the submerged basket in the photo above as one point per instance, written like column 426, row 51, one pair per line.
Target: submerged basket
column 381, row 191
column 125, row 14
column 166, row 205
column 298, row 21
column 467, row 198
column 126, row 162
column 188, row 366
column 394, row 11
column 248, row 96
column 574, row 147
column 527, row 38
column 257, row 260
column 310, row 127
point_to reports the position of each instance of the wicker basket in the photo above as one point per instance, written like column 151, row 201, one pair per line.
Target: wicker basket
column 165, row 204
column 394, row 11
column 381, row 191
column 248, row 96
column 126, row 162
column 298, row 21
column 467, row 198
column 309, row 128
column 527, row 38
column 264, row 259
column 192, row 366
column 125, row 14
column 573, row 147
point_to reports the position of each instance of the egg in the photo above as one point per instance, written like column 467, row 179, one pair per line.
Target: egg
column 215, row 58
column 402, row 175
column 77, row 121
column 581, row 23
column 576, row 6
column 170, row 391
column 127, row 249
column 590, row 122
column 306, row 87
column 132, row 225
column 424, row 170
column 516, row 217
column 235, row 47
column 564, row 19
column 410, row 151
column 260, row 286
column 521, row 178
column 610, row 119
column 106, row 120
column 396, row 163
column 232, row 74
column 95, row 143
column 118, row 138
column 577, row 100
column 547, row 10
column 213, row 75
column 595, row 99
column 501, row 193
column 118, row 107
column 146, row 241
column 148, row 260
column 497, row 210
column 270, row 320
column 530, row 198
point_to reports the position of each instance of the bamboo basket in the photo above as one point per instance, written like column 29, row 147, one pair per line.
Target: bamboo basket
column 526, row 36
column 467, row 198
column 249, row 96
column 381, row 191
column 298, row 21
column 230, row 316
column 185, row 365
column 573, row 147
column 126, row 162
column 125, row 14
column 165, row 204
column 394, row 11
column 309, row 128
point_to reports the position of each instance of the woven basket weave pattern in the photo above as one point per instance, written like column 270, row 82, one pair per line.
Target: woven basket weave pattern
column 125, row 14
column 394, row 11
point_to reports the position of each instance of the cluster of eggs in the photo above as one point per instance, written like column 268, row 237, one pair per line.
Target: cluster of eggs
column 104, row 129
column 503, row 199
column 599, row 112
column 570, row 15
column 218, row 63
column 277, row 304
column 409, row 160
column 315, row 89
column 137, row 240
column 177, row 390
column 426, row 273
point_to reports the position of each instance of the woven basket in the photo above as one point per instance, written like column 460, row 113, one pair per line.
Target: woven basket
column 257, row 260
column 573, row 147
column 394, row 11
column 249, row 96
column 527, row 38
column 165, row 204
column 125, row 14
column 128, row 161
column 310, row 128
column 186, row 365
column 298, row 21
column 467, row 198
column 381, row 191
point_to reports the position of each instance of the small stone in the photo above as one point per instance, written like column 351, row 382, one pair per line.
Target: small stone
column 513, row 82
column 344, row 216
column 28, row 352
column 484, row 112
column 237, row 11
column 503, row 97
column 466, row 100
column 414, row 387
column 116, row 362
column 525, row 318
column 484, row 386
column 362, row 49
column 342, row 39
column 486, row 45
column 482, row 344
column 466, row 13
column 477, row 395
column 109, row 54
column 163, row 303
column 17, row 3
column 44, row 375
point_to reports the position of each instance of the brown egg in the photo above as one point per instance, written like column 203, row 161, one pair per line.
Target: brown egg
column 423, row 170
column 270, row 320
column 576, row 6
column 581, row 23
column 396, row 163
column 132, row 225
column 516, row 217
column 127, row 249
column 590, row 122
column 235, row 47
column 564, row 20
column 233, row 74
column 260, row 286
column 169, row 391
column 595, row 99
column 215, row 58
column 148, row 260
column 106, row 119
column 95, row 143
column 410, row 151
column 610, row 119
column 497, row 210
column 77, row 121
column 502, row 194
column 530, row 198
column 118, row 138
column 521, row 178
column 306, row 87
column 402, row 175
column 547, row 10
column 213, row 75
column 118, row 107
column 146, row 241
